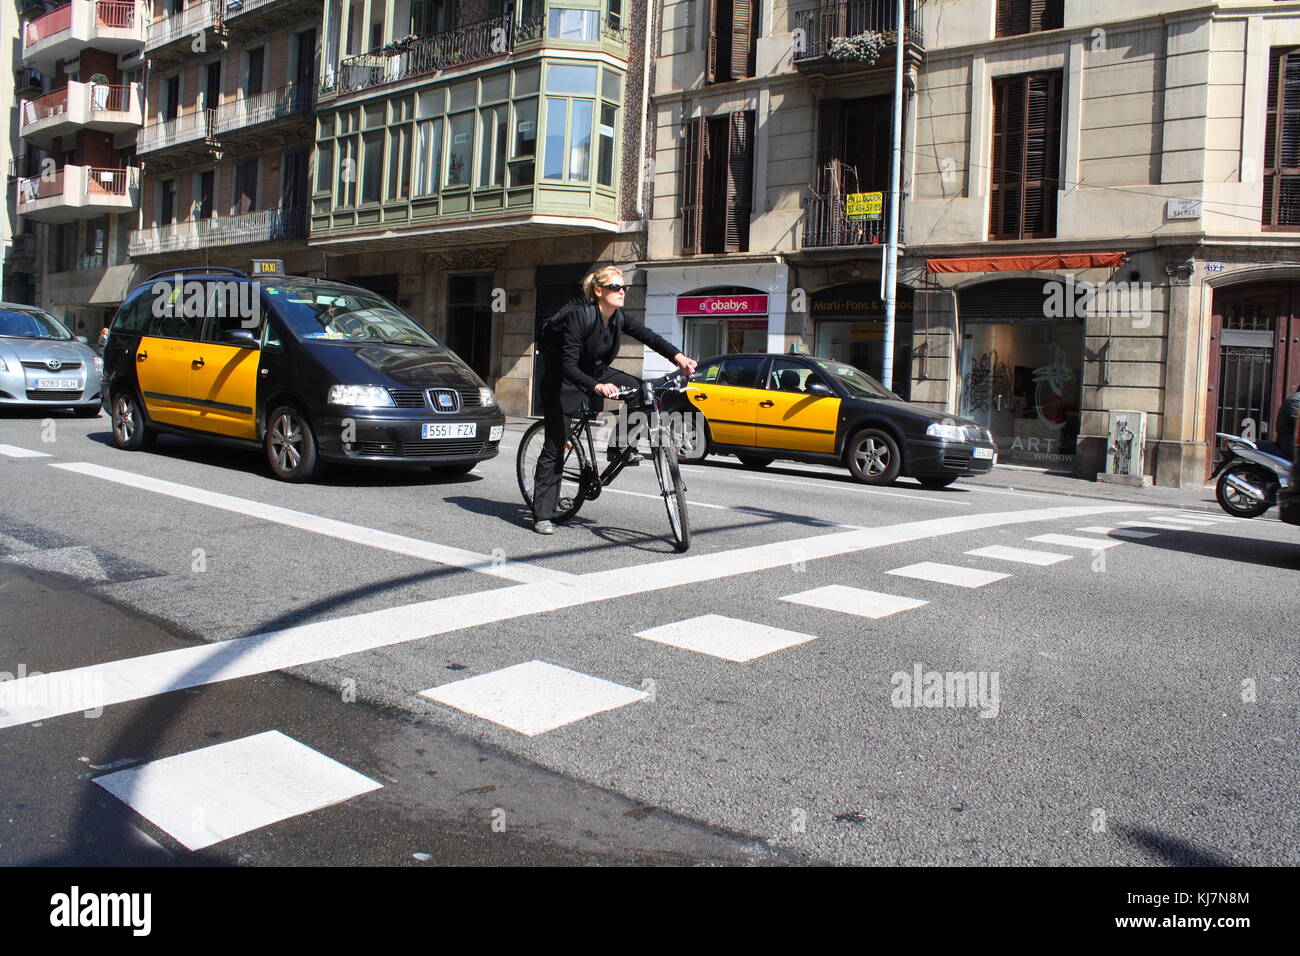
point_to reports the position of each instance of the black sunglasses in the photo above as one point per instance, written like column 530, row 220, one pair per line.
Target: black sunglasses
column 614, row 287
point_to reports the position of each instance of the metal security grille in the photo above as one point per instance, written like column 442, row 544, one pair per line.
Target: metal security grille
column 1245, row 388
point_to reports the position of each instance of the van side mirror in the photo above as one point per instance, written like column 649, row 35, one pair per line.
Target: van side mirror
column 241, row 338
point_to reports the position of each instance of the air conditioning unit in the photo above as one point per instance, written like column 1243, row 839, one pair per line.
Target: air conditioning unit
column 1126, row 449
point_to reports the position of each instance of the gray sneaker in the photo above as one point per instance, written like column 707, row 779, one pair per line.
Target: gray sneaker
column 544, row 527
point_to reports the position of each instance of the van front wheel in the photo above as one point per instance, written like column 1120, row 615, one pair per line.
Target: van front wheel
column 291, row 446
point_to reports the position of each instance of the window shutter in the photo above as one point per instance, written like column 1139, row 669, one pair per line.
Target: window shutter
column 1015, row 17
column 711, row 74
column 1041, row 163
column 693, row 154
column 1282, row 141
column 742, row 38
column 830, row 146
column 740, row 164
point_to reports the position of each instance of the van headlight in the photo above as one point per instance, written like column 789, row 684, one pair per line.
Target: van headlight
column 360, row 396
column 486, row 398
column 946, row 432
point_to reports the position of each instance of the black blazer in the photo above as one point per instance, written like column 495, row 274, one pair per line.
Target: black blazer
column 572, row 367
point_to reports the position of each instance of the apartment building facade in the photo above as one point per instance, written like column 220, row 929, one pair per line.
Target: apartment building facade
column 75, row 183
column 1100, row 216
column 475, row 159
column 227, row 140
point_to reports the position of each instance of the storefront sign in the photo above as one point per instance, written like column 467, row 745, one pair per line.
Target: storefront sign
column 852, row 307
column 721, row 305
column 861, row 207
column 747, row 325
column 863, row 332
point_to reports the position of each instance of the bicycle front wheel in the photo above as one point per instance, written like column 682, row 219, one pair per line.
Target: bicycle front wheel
column 674, row 493
column 530, row 449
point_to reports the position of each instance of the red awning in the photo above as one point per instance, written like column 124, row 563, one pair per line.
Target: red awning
column 1081, row 260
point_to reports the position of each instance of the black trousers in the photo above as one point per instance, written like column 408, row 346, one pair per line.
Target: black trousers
column 550, row 463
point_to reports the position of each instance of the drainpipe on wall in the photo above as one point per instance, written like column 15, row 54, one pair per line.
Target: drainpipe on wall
column 895, row 175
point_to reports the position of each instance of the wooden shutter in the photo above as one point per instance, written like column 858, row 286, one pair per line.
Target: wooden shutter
column 740, row 165
column 742, row 38
column 1282, row 142
column 1015, row 17
column 1026, row 156
column 830, row 146
column 694, row 149
column 711, row 73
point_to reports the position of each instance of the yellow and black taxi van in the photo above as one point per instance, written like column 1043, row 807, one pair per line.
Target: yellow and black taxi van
column 309, row 370
column 761, row 407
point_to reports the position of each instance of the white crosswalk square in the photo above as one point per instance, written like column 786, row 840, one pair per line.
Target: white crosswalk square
column 1074, row 541
column 1159, row 525
column 533, row 697
column 1183, row 519
column 863, row 603
column 13, row 451
column 1133, row 533
column 729, row 638
column 1023, row 555
column 949, row 574
column 209, row 795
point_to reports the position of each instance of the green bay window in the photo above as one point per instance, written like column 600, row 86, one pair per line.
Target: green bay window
column 399, row 162
column 372, row 167
column 460, row 151
column 570, row 23
column 492, row 152
column 571, row 114
column 428, row 156
column 345, row 191
column 605, row 168
column 524, row 150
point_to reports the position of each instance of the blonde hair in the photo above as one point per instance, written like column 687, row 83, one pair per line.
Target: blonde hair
column 599, row 277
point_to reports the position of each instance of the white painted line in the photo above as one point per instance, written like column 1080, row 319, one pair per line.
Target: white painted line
column 1020, row 555
column 344, row 531
column 863, row 603
column 38, row 697
column 534, row 697
column 729, row 638
column 1182, row 519
column 1149, row 523
column 213, row 794
column 12, row 451
column 752, row 512
column 833, row 485
column 1202, row 516
column 1133, row 533
column 1073, row 541
column 948, row 574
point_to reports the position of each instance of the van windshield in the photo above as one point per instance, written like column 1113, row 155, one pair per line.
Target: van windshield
column 331, row 314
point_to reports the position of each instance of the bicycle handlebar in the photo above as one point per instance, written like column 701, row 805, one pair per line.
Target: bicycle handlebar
column 673, row 382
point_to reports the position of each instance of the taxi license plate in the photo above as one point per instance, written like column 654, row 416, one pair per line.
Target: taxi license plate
column 448, row 430
column 59, row 384
column 983, row 453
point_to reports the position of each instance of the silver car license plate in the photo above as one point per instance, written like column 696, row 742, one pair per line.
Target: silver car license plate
column 59, row 384
column 448, row 430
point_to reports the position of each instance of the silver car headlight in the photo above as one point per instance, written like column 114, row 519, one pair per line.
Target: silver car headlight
column 946, row 432
column 359, row 396
column 988, row 436
column 486, row 398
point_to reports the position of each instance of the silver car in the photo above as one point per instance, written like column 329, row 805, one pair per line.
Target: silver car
column 42, row 365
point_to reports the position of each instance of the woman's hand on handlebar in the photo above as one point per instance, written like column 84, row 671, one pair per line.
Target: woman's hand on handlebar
column 685, row 363
column 606, row 390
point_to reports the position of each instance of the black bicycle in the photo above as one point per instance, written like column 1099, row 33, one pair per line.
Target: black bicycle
column 584, row 481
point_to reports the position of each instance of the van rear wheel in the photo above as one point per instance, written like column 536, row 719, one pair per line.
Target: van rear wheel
column 291, row 448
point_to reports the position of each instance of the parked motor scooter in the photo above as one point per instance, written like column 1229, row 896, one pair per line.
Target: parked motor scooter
column 1249, row 478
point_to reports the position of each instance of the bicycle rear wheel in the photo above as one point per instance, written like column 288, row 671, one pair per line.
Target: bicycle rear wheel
column 674, row 492
column 530, row 449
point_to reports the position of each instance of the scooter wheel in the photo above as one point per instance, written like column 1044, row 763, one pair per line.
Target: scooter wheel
column 1235, row 502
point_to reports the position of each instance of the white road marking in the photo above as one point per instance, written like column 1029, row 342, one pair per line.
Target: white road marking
column 12, row 451
column 1150, row 523
column 840, row 485
column 1021, row 555
column 1202, row 516
column 1121, row 532
column 213, row 794
column 533, row 697
column 1073, row 541
column 1183, row 519
column 948, row 574
column 857, row 601
column 75, row 562
column 38, row 697
column 729, row 638
column 752, row 512
column 357, row 534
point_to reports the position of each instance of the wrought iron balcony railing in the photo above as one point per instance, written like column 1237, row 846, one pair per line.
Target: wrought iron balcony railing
column 848, row 18
column 825, row 224
column 265, row 225
column 419, row 56
column 192, row 19
column 183, row 129
column 291, row 100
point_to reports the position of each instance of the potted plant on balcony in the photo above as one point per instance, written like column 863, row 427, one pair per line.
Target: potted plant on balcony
column 99, row 92
column 865, row 47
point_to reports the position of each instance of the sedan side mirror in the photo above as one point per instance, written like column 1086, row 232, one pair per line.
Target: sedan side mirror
column 82, row 339
column 241, row 338
column 820, row 388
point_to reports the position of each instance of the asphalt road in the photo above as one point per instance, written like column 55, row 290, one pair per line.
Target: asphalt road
column 1140, row 702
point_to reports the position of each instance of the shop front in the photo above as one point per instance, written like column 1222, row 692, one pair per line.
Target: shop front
column 1021, row 372
column 724, row 322
column 849, row 327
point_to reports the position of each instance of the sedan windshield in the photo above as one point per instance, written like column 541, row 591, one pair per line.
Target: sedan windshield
column 19, row 323
column 856, row 382
column 331, row 314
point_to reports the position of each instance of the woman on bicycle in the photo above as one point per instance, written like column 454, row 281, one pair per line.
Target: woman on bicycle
column 579, row 342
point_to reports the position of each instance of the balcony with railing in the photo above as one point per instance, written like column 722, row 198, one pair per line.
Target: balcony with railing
column 100, row 106
column 855, row 35
column 29, row 83
column 245, row 15
column 116, row 26
column 175, row 28
column 188, row 129
column 264, row 225
column 826, row 224
column 78, row 192
column 251, row 114
column 422, row 56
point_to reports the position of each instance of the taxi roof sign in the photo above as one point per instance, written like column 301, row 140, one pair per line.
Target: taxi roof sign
column 267, row 267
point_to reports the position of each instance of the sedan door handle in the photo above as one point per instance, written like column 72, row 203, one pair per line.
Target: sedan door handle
column 767, row 403
column 197, row 363
column 141, row 356
column 699, row 396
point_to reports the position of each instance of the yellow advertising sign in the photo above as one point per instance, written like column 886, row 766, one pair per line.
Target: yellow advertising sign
column 860, row 207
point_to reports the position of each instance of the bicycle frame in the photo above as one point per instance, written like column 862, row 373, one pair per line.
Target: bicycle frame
column 591, row 481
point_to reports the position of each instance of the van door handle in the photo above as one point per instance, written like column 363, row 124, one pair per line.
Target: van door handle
column 768, row 403
column 197, row 363
column 141, row 356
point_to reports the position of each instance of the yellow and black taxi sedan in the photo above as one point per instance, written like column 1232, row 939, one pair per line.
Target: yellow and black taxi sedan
column 309, row 370
column 762, row 407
